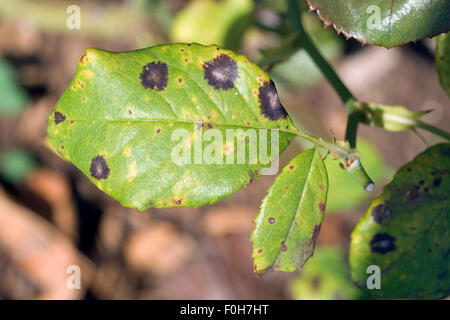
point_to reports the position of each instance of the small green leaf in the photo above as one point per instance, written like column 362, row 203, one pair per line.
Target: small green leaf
column 405, row 231
column 386, row 23
column 291, row 215
column 125, row 115
column 443, row 60
column 212, row 22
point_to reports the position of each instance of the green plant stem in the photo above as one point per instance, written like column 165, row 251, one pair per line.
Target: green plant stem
column 283, row 52
column 342, row 152
column 344, row 93
column 430, row 128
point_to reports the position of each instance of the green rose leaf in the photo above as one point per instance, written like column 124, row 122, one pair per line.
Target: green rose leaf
column 149, row 127
column 443, row 60
column 291, row 215
column 386, row 23
column 405, row 231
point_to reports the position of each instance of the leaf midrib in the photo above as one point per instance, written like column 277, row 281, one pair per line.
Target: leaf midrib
column 305, row 186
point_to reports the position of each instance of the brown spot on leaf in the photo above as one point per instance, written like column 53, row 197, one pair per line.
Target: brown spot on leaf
column 315, row 235
column 321, row 206
column 59, row 117
column 271, row 220
column 99, row 169
column 180, row 80
column 154, row 76
column 177, row 201
column 221, row 72
column 284, row 247
column 158, row 130
column 382, row 243
column 292, row 166
column 320, row 186
column 260, row 251
column 253, row 175
column 269, row 102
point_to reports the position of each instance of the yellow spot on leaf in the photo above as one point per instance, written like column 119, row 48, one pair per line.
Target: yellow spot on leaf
column 132, row 171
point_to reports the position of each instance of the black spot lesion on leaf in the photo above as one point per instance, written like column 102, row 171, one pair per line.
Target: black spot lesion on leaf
column 221, row 72
column 99, row 169
column 59, row 117
column 269, row 102
column 381, row 212
column 382, row 243
column 155, row 76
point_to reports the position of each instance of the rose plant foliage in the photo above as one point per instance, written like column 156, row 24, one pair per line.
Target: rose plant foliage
column 117, row 120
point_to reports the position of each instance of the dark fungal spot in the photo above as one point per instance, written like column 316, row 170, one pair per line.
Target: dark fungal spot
column 254, row 174
column 381, row 212
column 321, row 206
column 260, row 250
column 271, row 220
column 292, row 166
column 154, row 76
column 315, row 234
column 284, row 247
column 413, row 194
column 99, row 169
column 221, row 72
column 382, row 243
column 177, row 201
column 269, row 102
column 59, row 117
column 437, row 182
column 158, row 130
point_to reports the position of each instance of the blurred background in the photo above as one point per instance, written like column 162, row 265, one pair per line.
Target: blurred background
column 52, row 217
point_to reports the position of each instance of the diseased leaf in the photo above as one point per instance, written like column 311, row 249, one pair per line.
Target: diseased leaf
column 291, row 215
column 386, row 23
column 127, row 117
column 405, row 231
column 213, row 22
column 443, row 60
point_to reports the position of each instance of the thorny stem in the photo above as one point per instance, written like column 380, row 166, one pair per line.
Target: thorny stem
column 353, row 164
column 344, row 93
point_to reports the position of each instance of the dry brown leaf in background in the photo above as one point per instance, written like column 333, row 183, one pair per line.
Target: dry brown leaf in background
column 234, row 219
column 55, row 189
column 40, row 251
column 158, row 248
